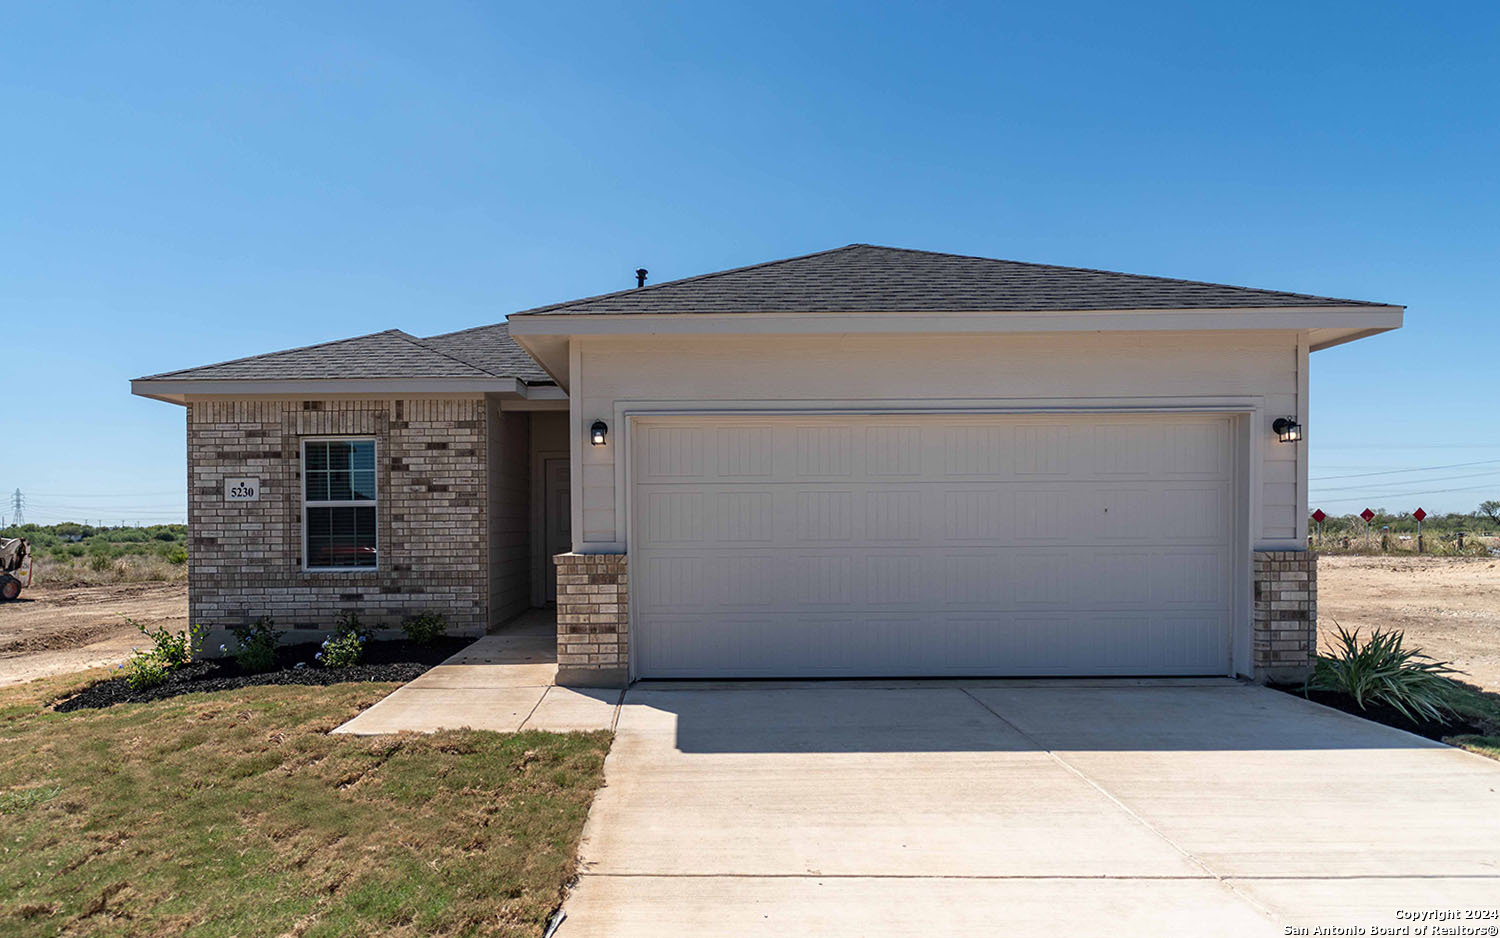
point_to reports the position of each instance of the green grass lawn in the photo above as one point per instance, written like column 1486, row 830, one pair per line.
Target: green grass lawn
column 1482, row 708
column 236, row 814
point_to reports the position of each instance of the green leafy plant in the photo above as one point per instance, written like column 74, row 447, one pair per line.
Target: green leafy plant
column 1381, row 671
column 347, row 645
column 145, row 670
column 255, row 646
column 173, row 649
column 424, row 628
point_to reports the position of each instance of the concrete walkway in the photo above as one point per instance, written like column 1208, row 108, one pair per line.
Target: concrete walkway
column 1022, row 808
column 502, row 682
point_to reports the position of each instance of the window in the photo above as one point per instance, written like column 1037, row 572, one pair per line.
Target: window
column 338, row 504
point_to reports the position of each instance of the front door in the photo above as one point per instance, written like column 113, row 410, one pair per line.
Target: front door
column 559, row 511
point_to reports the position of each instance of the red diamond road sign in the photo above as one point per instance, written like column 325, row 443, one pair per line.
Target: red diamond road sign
column 1318, row 516
column 1367, row 514
column 1419, row 514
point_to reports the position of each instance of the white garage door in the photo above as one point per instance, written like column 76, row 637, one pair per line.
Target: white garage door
column 932, row 545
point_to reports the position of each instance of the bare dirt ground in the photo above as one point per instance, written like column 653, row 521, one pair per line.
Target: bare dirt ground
column 54, row 631
column 1448, row 606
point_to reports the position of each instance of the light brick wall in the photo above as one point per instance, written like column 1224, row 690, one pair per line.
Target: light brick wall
column 245, row 558
column 593, row 620
column 1286, row 614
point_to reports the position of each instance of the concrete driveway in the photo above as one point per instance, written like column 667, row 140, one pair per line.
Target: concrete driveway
column 1023, row 808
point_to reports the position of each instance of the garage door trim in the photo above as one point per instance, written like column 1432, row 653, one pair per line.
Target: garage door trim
column 1244, row 498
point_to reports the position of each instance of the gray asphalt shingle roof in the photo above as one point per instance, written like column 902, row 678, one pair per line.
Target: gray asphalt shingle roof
column 388, row 354
column 870, row 278
column 856, row 278
column 493, row 348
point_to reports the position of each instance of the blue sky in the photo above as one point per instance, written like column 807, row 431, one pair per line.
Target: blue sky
column 189, row 183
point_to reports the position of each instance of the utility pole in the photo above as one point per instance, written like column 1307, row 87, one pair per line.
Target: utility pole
column 18, row 506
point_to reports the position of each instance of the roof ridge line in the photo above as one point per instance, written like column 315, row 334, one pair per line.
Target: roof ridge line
column 1118, row 273
column 422, row 344
column 633, row 291
column 445, row 335
column 247, row 358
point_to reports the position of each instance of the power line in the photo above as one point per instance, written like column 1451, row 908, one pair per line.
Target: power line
column 18, row 507
column 1389, row 495
column 109, row 494
column 1467, row 475
column 1389, row 472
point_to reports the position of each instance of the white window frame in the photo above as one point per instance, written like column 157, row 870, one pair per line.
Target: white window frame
column 342, row 503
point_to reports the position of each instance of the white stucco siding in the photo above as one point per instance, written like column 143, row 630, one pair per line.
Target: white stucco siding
column 615, row 376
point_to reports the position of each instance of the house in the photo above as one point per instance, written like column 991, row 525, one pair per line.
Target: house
column 861, row 462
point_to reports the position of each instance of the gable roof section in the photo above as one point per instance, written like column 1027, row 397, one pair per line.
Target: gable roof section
column 491, row 347
column 868, row 278
column 388, row 354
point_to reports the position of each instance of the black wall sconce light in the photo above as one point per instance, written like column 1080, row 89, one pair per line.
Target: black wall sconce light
column 1288, row 430
column 598, row 432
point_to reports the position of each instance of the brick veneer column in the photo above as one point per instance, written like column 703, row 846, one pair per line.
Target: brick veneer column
column 1286, row 614
column 593, row 620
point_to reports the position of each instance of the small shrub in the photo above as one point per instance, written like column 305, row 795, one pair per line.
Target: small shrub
column 177, row 556
column 173, row 649
column 1381, row 671
column 255, row 646
column 145, row 670
column 424, row 628
column 347, row 646
column 100, row 562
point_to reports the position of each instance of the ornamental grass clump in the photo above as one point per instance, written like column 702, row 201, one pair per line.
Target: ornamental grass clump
column 347, row 645
column 1383, row 672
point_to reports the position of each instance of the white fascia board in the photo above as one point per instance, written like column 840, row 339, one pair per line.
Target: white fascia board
column 545, row 392
column 178, row 390
column 531, row 330
column 551, row 352
column 1327, row 338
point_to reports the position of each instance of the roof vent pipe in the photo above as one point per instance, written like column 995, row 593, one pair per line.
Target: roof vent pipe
column 640, row 277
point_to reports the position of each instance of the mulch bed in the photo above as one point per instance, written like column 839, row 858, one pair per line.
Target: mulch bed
column 396, row 660
column 1380, row 713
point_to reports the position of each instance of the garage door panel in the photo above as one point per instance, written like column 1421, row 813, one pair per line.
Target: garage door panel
column 672, row 518
column 1043, row 450
column 824, row 451
column 977, row 515
column 978, row 579
column 975, row 450
column 1189, row 578
column 742, row 516
column 1195, row 513
column 673, row 452
column 976, row 545
column 823, row 516
column 894, row 451
column 894, row 514
column 745, row 453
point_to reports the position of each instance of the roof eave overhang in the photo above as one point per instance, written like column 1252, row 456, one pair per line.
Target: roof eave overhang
column 182, row 390
column 547, row 336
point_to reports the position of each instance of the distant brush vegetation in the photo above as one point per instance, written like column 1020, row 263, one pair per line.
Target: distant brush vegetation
column 72, row 554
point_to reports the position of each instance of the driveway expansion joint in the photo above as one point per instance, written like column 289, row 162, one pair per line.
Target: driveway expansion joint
column 1081, row 776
